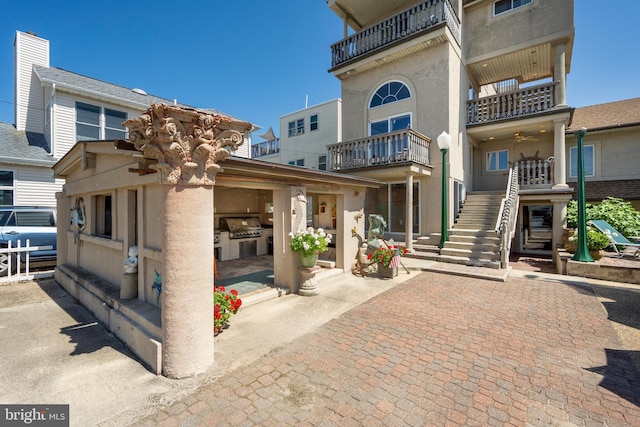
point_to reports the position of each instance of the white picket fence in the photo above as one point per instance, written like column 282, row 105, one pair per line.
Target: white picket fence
column 22, row 272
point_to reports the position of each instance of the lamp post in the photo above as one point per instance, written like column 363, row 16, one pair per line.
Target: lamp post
column 444, row 142
column 582, row 252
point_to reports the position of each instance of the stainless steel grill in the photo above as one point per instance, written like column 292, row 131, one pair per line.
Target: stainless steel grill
column 241, row 228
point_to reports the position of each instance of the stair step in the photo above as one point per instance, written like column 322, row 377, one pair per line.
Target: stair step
column 473, row 247
column 481, row 240
column 489, row 255
column 474, row 232
column 477, row 262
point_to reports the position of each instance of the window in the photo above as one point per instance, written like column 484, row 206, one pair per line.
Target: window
column 390, row 124
column 497, row 160
column 7, row 187
column 589, row 161
column 89, row 123
column 389, row 92
column 104, row 217
column 299, row 162
column 313, row 122
column 322, row 163
column 113, row 128
column 296, row 127
column 502, row 6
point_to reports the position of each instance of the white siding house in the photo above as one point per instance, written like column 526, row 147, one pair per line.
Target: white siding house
column 54, row 109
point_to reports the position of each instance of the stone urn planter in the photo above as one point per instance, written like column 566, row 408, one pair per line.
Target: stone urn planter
column 596, row 254
column 309, row 261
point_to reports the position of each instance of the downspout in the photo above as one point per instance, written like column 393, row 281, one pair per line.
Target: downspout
column 52, row 119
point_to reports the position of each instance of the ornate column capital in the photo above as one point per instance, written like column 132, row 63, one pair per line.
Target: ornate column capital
column 187, row 143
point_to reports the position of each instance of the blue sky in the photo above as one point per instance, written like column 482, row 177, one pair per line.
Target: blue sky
column 258, row 60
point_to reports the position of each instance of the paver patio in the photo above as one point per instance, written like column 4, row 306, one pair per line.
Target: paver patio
column 438, row 350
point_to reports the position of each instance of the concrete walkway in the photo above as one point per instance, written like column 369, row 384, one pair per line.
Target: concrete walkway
column 421, row 349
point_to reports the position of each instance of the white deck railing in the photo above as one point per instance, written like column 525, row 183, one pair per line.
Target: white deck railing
column 16, row 270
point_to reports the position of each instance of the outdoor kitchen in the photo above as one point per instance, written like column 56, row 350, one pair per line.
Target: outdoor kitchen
column 243, row 223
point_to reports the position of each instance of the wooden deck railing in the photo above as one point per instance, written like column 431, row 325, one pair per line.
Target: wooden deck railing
column 384, row 149
column 523, row 102
column 421, row 18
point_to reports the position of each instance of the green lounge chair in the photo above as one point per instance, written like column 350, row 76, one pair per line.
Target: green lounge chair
column 616, row 238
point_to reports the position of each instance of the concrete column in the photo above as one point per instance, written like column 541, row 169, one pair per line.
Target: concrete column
column 559, row 150
column 408, row 226
column 559, row 213
column 560, row 75
column 63, row 216
column 187, row 280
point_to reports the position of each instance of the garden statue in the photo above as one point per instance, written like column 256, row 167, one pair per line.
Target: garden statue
column 131, row 262
column 377, row 225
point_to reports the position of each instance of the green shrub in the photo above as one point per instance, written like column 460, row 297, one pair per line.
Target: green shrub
column 619, row 214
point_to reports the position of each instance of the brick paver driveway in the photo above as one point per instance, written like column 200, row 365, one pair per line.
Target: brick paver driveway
column 438, row 350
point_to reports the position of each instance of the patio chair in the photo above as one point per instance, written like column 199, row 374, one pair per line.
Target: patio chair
column 616, row 238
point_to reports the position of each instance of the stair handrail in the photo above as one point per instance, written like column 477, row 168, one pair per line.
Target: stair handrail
column 506, row 222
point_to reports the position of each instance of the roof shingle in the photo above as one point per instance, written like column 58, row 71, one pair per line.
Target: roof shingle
column 606, row 116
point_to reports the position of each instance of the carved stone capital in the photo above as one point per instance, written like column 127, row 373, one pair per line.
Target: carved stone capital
column 188, row 144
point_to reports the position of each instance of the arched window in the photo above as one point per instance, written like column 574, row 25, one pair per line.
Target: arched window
column 390, row 92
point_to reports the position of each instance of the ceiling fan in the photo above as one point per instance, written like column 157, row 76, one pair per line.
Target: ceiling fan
column 519, row 137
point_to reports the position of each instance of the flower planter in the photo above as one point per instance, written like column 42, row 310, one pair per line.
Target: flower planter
column 596, row 254
column 309, row 261
column 386, row 272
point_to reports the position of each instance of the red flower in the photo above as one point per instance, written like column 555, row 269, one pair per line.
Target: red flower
column 233, row 292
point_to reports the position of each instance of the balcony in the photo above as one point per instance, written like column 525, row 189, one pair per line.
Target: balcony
column 419, row 19
column 521, row 103
column 391, row 149
column 265, row 148
column 535, row 174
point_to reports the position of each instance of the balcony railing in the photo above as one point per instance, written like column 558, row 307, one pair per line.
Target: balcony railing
column 265, row 148
column 534, row 174
column 523, row 102
column 421, row 18
column 384, row 149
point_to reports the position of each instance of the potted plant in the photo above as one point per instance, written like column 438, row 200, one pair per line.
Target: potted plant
column 224, row 305
column 309, row 243
column 596, row 242
column 383, row 256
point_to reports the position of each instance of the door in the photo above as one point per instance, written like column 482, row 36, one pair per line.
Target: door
column 536, row 224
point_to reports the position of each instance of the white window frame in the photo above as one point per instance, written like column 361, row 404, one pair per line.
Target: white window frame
column 297, row 162
column 496, row 153
column 389, row 118
column 573, row 161
column 322, row 161
column 296, row 127
column 388, row 83
column 512, row 8
column 102, row 121
column 12, row 187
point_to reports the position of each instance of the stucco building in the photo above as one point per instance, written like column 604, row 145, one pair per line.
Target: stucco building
column 492, row 74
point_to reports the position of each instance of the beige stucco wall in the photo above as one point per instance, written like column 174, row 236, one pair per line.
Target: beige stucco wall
column 497, row 181
column 438, row 84
column 484, row 34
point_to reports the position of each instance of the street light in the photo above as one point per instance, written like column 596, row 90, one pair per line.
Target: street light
column 444, row 142
column 582, row 252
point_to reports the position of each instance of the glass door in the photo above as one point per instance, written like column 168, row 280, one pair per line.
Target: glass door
column 536, row 229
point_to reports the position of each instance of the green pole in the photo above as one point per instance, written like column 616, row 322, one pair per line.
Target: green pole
column 582, row 253
column 444, row 233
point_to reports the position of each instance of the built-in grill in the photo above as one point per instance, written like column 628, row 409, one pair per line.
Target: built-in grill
column 241, row 228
